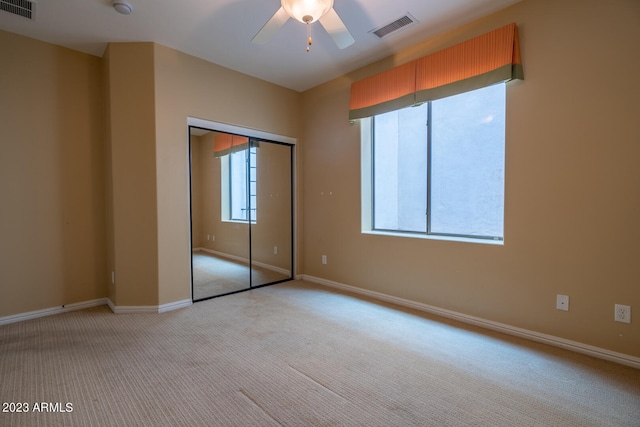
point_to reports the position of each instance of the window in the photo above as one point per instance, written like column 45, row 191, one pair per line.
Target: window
column 438, row 168
column 242, row 183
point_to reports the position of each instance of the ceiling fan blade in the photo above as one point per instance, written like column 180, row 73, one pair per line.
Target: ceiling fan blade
column 271, row 27
column 336, row 29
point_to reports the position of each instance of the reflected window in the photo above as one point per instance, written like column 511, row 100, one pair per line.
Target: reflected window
column 242, row 181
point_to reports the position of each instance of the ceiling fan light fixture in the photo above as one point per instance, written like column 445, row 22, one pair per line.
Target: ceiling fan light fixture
column 301, row 10
column 307, row 12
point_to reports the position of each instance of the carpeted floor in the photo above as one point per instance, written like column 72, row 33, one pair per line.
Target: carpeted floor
column 298, row 354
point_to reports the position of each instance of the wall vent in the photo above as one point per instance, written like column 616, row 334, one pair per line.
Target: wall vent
column 391, row 27
column 24, row 8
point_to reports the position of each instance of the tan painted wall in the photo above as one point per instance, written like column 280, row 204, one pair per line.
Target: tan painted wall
column 108, row 178
column 52, row 213
column 133, row 173
column 188, row 86
column 572, row 184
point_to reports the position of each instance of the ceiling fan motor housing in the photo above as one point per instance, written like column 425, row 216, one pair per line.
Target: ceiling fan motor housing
column 307, row 11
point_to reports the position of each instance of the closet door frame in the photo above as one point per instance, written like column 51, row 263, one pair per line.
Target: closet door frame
column 261, row 136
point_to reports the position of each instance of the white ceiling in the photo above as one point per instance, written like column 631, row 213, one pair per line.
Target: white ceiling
column 220, row 31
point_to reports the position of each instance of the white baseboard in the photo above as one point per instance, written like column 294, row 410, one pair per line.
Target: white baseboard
column 601, row 353
column 85, row 304
column 223, row 255
column 94, row 303
column 133, row 309
column 148, row 309
column 52, row 310
column 273, row 268
column 170, row 306
column 244, row 260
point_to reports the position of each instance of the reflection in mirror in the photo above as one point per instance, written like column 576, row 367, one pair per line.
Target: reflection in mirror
column 271, row 231
column 220, row 245
column 241, row 208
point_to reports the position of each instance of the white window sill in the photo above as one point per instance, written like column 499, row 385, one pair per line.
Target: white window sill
column 237, row 221
column 435, row 237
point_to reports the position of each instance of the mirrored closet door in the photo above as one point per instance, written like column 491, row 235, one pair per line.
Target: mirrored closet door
column 271, row 210
column 241, row 213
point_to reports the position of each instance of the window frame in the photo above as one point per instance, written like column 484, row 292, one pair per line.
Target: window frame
column 367, row 132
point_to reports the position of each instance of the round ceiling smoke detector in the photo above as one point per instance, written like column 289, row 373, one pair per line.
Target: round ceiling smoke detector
column 122, row 7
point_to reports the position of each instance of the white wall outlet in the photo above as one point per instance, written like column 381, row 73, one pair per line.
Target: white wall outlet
column 275, row 250
column 562, row 302
column 208, row 237
column 623, row 313
column 213, row 237
column 113, row 277
column 324, row 259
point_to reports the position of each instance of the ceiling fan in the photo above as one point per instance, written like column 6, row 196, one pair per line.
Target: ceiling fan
column 307, row 12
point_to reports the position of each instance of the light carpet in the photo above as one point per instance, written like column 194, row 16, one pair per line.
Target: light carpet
column 298, row 354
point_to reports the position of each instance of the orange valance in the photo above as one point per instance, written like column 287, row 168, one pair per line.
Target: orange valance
column 226, row 143
column 482, row 61
column 387, row 91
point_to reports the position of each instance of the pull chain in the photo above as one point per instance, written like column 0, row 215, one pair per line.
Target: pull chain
column 307, row 19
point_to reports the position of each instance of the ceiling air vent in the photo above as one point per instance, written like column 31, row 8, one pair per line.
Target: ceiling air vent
column 391, row 27
column 24, row 8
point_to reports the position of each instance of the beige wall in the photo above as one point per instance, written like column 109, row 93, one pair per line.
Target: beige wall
column 190, row 87
column 108, row 178
column 95, row 170
column 131, row 146
column 572, row 184
column 52, row 211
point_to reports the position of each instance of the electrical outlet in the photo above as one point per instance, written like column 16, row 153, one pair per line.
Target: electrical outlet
column 562, row 302
column 623, row 313
column 324, row 259
column 275, row 250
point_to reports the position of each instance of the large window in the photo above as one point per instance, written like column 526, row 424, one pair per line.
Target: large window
column 438, row 168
